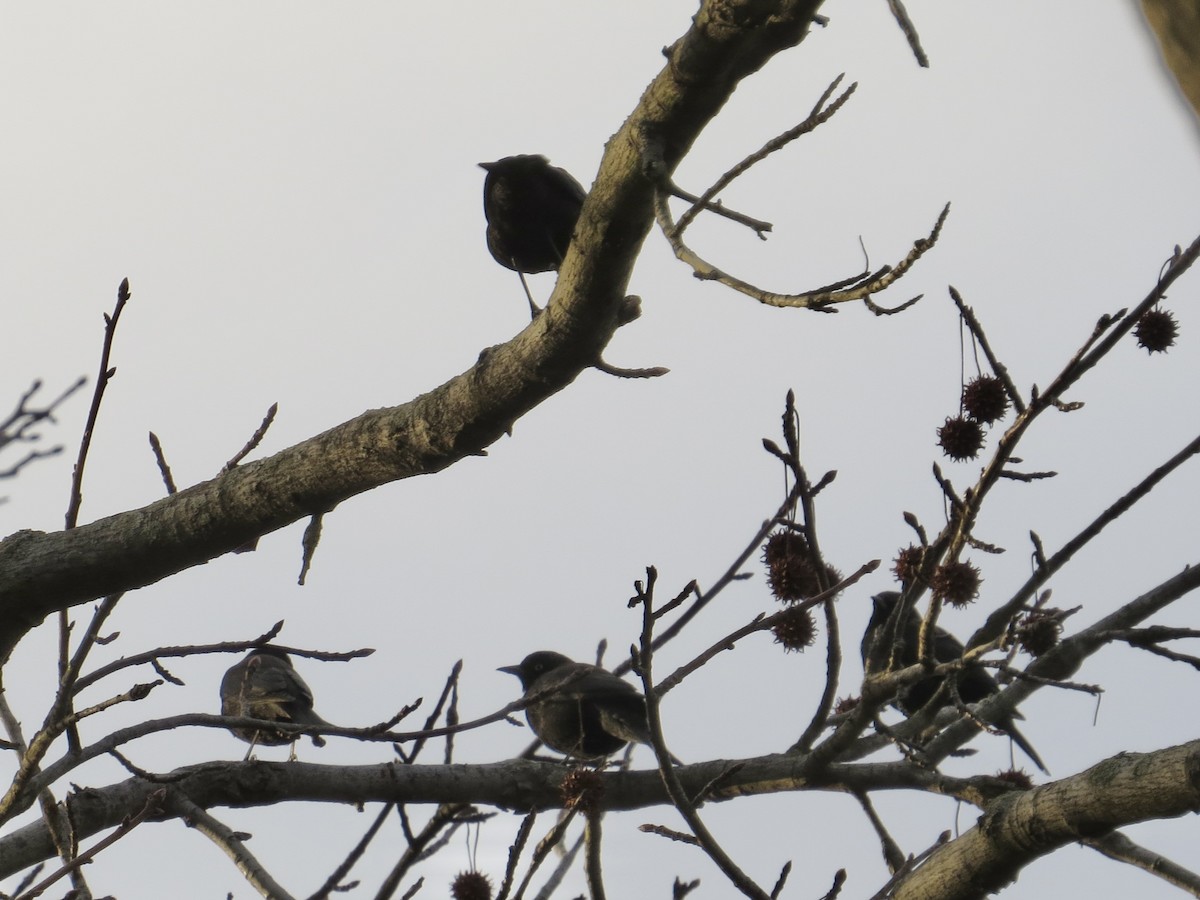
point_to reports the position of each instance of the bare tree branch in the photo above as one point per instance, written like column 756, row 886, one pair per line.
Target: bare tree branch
column 1122, row 790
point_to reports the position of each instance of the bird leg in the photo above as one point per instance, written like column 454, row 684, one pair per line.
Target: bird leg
column 534, row 309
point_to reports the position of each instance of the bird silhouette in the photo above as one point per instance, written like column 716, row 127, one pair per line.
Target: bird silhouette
column 587, row 712
column 531, row 209
column 974, row 683
column 265, row 685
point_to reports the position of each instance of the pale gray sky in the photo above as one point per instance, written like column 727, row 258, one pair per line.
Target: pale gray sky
column 291, row 189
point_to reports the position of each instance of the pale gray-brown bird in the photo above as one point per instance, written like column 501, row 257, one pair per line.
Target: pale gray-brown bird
column 265, row 685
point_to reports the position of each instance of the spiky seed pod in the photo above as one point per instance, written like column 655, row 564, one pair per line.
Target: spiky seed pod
column 1156, row 330
column 907, row 565
column 471, row 886
column 845, row 704
column 956, row 583
column 1019, row 777
column 960, row 438
column 582, row 789
column 791, row 574
column 796, row 630
column 792, row 567
column 782, row 544
column 1039, row 631
column 984, row 399
column 793, row 579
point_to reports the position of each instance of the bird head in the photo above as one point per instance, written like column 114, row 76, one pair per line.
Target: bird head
column 535, row 665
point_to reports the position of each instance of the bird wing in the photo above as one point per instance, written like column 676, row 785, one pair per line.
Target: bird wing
column 586, row 682
column 279, row 682
column 566, row 187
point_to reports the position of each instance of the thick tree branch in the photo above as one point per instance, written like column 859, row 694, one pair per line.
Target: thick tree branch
column 515, row 784
column 1019, row 828
column 525, row 784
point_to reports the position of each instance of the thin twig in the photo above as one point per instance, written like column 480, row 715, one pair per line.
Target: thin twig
column 757, row 225
column 781, row 880
column 514, row 854
column 231, row 842
column 671, row 833
column 556, row 877
column 255, row 439
column 998, row 621
column 1148, row 639
column 892, row 854
column 1119, row 847
column 910, row 32
column 909, row 865
column 543, row 848
column 592, row 865
column 730, row 575
column 152, row 807
column 161, row 459
column 857, row 287
column 446, row 816
column 57, row 824
column 818, row 116
column 266, row 637
column 308, row 545
column 28, row 773
column 451, row 684
column 761, row 622
column 338, row 875
column 105, row 373
column 17, row 427
column 23, row 417
column 670, row 779
column 102, row 378
column 618, row 372
column 833, row 643
column 1001, row 371
column 835, row 889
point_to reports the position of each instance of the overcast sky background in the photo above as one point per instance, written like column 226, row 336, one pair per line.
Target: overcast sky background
column 292, row 190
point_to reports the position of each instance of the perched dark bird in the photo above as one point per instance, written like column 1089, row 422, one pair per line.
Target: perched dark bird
column 588, row 712
column 531, row 209
column 974, row 683
column 264, row 685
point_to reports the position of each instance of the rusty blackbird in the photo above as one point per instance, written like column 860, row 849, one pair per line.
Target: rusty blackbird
column 531, row 209
column 587, row 712
column 264, row 685
column 974, row 683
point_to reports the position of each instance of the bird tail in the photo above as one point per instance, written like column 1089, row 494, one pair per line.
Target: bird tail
column 1023, row 742
column 311, row 718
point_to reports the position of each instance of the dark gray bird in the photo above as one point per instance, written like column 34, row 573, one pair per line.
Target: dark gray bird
column 587, row 713
column 264, row 685
column 974, row 683
column 531, row 209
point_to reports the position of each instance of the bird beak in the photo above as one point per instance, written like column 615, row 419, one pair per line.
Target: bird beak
column 487, row 167
column 510, row 670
